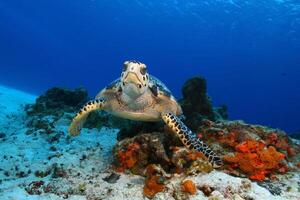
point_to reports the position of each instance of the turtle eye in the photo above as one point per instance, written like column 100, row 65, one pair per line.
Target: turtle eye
column 125, row 66
column 143, row 70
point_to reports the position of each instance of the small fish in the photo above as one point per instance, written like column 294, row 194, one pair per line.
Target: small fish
column 112, row 178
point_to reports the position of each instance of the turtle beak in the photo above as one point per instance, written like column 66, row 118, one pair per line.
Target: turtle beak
column 132, row 78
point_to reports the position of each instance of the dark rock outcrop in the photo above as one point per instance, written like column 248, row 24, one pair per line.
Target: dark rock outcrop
column 195, row 99
column 56, row 101
column 197, row 105
column 295, row 135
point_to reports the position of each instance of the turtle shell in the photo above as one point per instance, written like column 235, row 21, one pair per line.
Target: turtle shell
column 158, row 88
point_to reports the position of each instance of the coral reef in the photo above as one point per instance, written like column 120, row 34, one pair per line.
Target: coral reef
column 39, row 160
column 145, row 148
column 50, row 107
column 253, row 150
column 257, row 152
column 136, row 153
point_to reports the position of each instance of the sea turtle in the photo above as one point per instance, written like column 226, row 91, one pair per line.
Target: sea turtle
column 136, row 95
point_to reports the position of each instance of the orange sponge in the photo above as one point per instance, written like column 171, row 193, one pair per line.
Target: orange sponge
column 129, row 157
column 152, row 186
column 253, row 158
column 189, row 186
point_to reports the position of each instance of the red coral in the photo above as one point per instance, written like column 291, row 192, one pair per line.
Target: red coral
column 200, row 135
column 128, row 158
column 253, row 158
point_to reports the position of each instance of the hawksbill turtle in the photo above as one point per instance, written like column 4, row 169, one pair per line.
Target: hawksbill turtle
column 136, row 95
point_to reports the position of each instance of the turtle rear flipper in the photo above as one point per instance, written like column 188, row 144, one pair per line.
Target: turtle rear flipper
column 79, row 119
column 189, row 139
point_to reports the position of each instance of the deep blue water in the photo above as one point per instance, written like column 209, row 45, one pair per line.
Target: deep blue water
column 249, row 51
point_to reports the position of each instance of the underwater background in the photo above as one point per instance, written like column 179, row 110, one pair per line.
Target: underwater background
column 249, row 51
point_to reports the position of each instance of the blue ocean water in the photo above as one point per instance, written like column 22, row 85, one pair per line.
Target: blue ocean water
column 249, row 51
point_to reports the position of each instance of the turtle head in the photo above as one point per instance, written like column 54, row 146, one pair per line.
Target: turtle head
column 134, row 78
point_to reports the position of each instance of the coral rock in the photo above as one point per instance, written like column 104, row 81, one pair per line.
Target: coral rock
column 251, row 150
column 56, row 101
column 137, row 152
column 199, row 166
column 153, row 185
column 206, row 189
column 190, row 162
column 128, row 157
column 154, row 181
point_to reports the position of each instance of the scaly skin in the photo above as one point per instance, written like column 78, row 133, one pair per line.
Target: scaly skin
column 190, row 140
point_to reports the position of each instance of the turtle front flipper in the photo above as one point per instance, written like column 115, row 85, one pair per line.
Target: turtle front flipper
column 79, row 119
column 189, row 139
